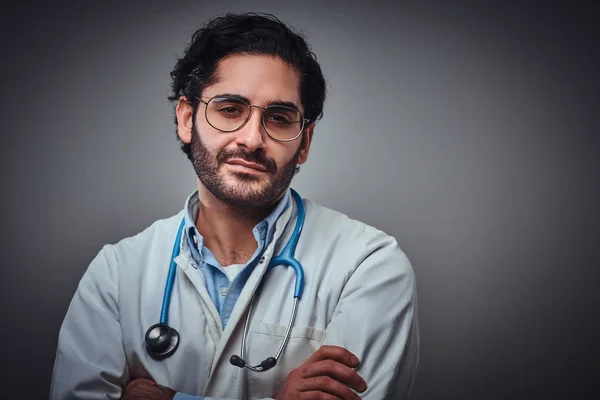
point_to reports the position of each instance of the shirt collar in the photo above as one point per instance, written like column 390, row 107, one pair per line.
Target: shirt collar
column 264, row 230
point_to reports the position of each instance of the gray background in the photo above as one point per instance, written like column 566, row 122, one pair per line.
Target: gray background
column 469, row 132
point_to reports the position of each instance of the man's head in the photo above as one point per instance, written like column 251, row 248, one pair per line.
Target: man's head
column 245, row 85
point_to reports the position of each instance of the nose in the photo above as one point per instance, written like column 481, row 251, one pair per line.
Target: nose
column 252, row 134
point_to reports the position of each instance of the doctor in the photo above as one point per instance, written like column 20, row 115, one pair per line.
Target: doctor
column 198, row 305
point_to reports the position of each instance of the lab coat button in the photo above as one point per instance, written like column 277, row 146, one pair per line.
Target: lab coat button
column 262, row 260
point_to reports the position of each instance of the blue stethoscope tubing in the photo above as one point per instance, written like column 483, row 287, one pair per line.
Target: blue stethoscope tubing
column 164, row 311
column 162, row 340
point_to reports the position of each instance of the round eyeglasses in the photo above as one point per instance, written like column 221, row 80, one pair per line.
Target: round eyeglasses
column 230, row 113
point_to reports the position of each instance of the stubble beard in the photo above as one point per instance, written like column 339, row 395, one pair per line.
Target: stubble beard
column 239, row 189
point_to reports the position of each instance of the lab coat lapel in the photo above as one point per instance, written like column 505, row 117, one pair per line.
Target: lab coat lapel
column 186, row 265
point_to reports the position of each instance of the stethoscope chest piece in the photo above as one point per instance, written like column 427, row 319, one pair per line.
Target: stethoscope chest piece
column 161, row 341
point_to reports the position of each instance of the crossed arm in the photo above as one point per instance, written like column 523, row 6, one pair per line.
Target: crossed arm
column 328, row 374
column 378, row 303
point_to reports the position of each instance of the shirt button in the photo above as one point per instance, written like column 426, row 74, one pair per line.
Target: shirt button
column 223, row 291
column 195, row 239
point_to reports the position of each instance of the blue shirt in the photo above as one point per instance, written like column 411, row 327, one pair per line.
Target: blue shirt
column 224, row 293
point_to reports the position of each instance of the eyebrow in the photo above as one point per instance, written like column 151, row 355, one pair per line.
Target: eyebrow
column 276, row 102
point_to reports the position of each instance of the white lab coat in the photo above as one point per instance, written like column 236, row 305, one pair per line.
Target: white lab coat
column 359, row 293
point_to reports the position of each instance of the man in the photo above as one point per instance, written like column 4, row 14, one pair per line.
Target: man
column 248, row 92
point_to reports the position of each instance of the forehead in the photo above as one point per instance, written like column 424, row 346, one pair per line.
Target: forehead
column 259, row 78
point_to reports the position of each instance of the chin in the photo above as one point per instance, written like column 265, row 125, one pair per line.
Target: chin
column 235, row 179
column 246, row 183
column 237, row 176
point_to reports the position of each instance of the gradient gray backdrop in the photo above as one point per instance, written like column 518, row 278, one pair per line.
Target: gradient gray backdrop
column 469, row 132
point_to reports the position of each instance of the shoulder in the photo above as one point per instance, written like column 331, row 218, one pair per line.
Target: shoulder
column 156, row 238
column 155, row 232
column 331, row 223
column 131, row 256
column 349, row 256
column 358, row 240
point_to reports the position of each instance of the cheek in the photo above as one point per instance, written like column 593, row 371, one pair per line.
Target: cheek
column 283, row 157
column 214, row 141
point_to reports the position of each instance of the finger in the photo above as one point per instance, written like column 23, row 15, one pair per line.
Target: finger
column 336, row 353
column 328, row 385
column 338, row 371
column 137, row 382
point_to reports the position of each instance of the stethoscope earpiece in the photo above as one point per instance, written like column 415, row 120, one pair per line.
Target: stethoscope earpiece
column 161, row 341
column 265, row 365
column 268, row 363
column 237, row 361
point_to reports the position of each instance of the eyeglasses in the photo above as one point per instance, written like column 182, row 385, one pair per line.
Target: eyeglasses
column 228, row 114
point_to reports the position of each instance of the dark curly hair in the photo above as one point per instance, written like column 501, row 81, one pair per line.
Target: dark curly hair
column 252, row 34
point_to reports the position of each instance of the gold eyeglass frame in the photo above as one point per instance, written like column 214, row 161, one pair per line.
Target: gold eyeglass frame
column 262, row 121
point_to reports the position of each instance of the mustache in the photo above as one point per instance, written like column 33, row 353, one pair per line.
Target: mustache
column 257, row 157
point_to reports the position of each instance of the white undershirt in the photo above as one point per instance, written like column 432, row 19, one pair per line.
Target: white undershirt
column 232, row 270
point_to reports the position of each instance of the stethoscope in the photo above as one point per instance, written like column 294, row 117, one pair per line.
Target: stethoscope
column 162, row 340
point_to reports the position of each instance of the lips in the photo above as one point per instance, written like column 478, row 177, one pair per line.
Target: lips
column 237, row 161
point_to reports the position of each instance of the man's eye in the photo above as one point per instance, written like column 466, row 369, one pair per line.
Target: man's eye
column 230, row 110
column 280, row 119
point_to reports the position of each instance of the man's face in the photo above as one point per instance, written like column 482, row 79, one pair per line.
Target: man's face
column 217, row 156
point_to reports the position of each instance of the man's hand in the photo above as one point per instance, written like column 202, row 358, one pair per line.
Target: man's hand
column 146, row 389
column 327, row 375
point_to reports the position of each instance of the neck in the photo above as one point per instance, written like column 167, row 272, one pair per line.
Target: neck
column 227, row 229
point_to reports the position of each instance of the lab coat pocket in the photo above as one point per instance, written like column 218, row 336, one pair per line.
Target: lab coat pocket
column 265, row 341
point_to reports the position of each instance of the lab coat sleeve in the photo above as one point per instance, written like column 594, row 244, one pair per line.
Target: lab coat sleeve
column 183, row 396
column 90, row 360
column 376, row 319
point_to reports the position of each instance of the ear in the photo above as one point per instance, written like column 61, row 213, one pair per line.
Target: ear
column 305, row 144
column 185, row 115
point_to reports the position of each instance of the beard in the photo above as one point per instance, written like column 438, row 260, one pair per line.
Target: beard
column 236, row 188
